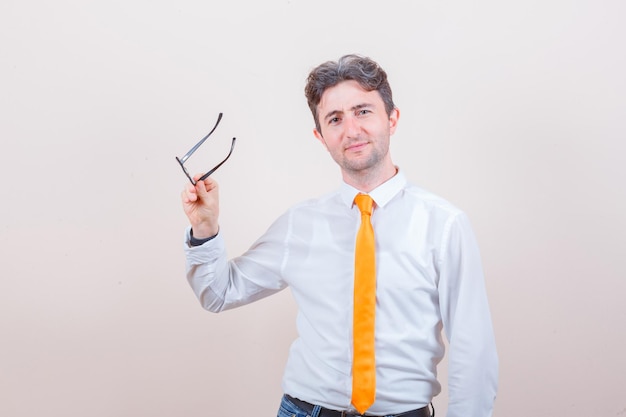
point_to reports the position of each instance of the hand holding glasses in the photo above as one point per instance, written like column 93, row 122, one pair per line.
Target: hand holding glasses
column 182, row 160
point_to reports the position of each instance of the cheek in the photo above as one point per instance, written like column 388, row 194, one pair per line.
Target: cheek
column 330, row 140
column 334, row 145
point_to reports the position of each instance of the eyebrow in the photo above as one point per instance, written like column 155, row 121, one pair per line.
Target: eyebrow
column 353, row 108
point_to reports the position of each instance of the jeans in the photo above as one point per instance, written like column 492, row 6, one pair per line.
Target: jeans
column 289, row 409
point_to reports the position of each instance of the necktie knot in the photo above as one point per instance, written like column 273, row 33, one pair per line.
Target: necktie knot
column 364, row 202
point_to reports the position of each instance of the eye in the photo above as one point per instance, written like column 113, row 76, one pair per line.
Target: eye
column 363, row 112
column 333, row 121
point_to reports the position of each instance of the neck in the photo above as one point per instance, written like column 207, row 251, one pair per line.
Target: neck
column 367, row 180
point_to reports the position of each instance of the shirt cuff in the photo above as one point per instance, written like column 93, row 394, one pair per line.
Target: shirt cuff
column 197, row 242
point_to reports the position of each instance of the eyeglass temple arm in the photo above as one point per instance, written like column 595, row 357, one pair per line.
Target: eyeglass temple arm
column 205, row 176
column 197, row 145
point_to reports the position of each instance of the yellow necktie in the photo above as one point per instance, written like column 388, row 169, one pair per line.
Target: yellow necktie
column 364, row 367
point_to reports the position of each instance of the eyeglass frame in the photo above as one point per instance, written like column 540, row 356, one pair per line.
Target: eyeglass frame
column 184, row 159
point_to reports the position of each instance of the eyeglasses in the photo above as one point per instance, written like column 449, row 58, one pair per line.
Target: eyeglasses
column 182, row 160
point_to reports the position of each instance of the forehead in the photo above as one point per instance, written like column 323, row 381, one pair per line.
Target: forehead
column 346, row 95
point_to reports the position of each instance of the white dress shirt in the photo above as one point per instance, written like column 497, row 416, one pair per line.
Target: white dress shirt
column 429, row 277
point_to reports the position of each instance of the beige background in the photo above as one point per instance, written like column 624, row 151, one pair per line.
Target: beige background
column 514, row 111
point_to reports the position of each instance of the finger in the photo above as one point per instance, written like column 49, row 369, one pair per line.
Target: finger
column 189, row 194
column 205, row 186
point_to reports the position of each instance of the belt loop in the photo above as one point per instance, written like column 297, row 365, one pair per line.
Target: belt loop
column 316, row 411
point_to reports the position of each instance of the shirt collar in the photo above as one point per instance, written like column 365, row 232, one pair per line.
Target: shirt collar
column 381, row 194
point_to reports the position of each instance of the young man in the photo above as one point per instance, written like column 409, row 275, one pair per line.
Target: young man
column 426, row 271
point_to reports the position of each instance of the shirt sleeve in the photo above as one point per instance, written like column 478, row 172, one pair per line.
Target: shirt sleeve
column 472, row 357
column 221, row 284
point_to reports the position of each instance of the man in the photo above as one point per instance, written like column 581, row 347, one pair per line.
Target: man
column 426, row 268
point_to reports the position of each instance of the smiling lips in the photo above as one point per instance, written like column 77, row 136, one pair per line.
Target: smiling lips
column 356, row 146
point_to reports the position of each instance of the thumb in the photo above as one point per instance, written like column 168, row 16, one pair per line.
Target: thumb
column 205, row 187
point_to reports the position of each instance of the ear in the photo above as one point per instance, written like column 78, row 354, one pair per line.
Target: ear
column 393, row 120
column 319, row 137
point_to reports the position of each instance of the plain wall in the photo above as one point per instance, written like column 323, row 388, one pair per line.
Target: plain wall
column 514, row 111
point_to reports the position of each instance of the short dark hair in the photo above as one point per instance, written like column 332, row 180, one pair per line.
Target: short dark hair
column 354, row 67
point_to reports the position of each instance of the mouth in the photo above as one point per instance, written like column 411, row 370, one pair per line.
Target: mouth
column 355, row 147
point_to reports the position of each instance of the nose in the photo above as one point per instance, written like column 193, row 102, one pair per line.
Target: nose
column 351, row 127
